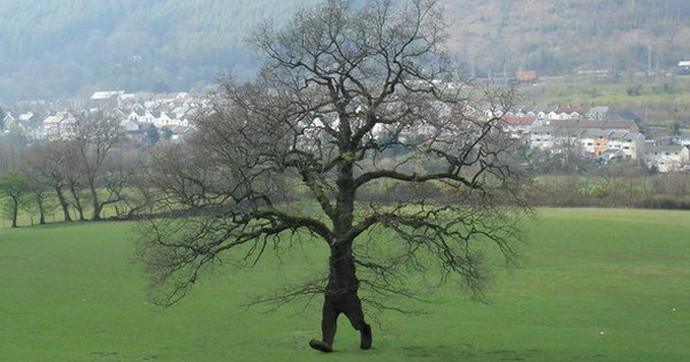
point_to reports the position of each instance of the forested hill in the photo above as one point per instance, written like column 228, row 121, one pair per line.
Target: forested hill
column 71, row 47
column 65, row 47
column 560, row 37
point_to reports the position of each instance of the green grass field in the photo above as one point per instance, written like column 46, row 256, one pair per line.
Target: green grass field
column 595, row 285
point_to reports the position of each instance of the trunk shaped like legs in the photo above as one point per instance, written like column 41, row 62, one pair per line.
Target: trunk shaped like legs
column 341, row 297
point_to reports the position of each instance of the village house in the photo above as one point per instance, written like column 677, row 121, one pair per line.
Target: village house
column 631, row 144
column 518, row 126
column 526, row 77
column 667, row 158
column 27, row 124
column 130, row 126
column 8, row 122
column 682, row 139
column 605, row 138
column 59, row 125
column 569, row 112
column 105, row 99
column 542, row 137
column 595, row 141
column 599, row 113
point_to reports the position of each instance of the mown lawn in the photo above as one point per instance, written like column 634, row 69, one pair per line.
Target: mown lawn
column 595, row 285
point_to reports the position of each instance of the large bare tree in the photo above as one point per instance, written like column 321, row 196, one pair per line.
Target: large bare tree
column 349, row 101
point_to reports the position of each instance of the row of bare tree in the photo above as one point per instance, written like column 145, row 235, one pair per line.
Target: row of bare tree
column 95, row 166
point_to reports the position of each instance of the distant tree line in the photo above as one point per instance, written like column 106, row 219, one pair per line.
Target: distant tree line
column 92, row 175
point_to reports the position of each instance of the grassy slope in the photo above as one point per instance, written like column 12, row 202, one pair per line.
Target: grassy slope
column 72, row 293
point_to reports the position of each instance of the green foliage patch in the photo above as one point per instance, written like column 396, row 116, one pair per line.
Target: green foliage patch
column 595, row 284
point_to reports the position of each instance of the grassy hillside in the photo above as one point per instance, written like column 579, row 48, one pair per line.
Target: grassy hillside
column 596, row 285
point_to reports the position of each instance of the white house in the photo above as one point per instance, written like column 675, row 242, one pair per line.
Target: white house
column 631, row 144
column 595, row 141
column 130, row 125
column 682, row 139
column 667, row 158
column 59, row 125
column 9, row 122
column 542, row 137
column 105, row 99
column 517, row 126
column 598, row 113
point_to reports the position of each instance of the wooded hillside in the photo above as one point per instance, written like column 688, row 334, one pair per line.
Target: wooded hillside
column 565, row 36
column 64, row 48
column 58, row 48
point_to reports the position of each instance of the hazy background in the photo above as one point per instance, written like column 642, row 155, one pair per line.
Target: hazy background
column 66, row 48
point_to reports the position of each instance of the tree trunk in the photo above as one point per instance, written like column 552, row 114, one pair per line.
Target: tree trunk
column 15, row 211
column 94, row 199
column 96, row 208
column 341, row 290
column 63, row 203
column 341, row 297
column 41, row 212
column 342, row 277
column 77, row 202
